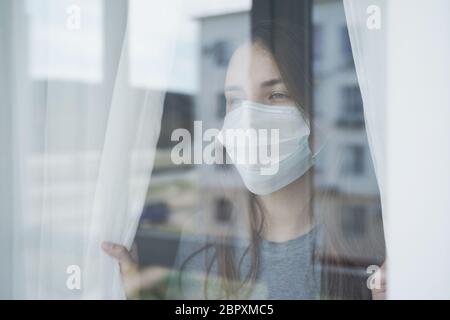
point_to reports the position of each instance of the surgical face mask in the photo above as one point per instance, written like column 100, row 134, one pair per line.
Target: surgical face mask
column 267, row 144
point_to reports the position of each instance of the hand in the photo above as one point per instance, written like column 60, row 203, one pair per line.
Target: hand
column 380, row 293
column 128, row 266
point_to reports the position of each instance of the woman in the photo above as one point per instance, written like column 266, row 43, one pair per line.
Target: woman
column 284, row 251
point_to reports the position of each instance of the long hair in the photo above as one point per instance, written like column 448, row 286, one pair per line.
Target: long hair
column 336, row 282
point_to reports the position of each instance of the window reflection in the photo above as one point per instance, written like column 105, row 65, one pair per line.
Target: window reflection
column 344, row 181
column 192, row 76
column 345, row 174
column 151, row 37
column 206, row 35
column 66, row 39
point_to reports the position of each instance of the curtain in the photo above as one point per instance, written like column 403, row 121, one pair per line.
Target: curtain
column 367, row 31
column 401, row 51
column 79, row 141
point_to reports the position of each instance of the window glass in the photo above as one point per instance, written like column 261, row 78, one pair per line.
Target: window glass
column 220, row 145
column 186, row 198
column 345, row 183
column 66, row 39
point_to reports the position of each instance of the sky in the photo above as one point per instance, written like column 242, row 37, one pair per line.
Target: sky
column 162, row 37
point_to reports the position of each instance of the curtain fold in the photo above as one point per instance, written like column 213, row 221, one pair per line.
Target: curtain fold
column 367, row 32
column 82, row 149
column 402, row 62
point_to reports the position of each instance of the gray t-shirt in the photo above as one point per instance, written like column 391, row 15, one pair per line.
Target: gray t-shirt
column 287, row 270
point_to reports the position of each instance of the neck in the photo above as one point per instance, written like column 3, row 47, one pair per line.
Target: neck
column 287, row 212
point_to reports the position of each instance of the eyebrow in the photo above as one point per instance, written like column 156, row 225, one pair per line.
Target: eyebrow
column 271, row 83
column 264, row 84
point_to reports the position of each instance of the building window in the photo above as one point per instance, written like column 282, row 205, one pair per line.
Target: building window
column 353, row 160
column 178, row 113
column 220, row 52
column 318, row 43
column 354, row 220
column 346, row 47
column 221, row 106
column 223, row 210
column 66, row 40
column 352, row 112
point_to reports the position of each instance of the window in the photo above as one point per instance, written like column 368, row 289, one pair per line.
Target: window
column 174, row 68
column 66, row 40
column 354, row 220
column 353, row 163
column 352, row 112
column 346, row 48
column 223, row 210
column 221, row 106
column 206, row 33
column 219, row 51
column 318, row 42
column 178, row 113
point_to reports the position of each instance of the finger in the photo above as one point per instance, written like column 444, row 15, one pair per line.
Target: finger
column 117, row 251
column 380, row 274
column 381, row 277
column 378, row 294
column 134, row 253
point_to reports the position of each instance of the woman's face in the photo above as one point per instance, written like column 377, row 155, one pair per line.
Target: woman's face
column 253, row 75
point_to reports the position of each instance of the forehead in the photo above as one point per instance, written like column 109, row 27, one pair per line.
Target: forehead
column 251, row 63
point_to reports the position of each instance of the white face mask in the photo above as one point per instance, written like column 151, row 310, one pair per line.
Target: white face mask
column 267, row 144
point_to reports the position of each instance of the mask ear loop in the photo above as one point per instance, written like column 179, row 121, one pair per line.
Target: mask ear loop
column 323, row 144
column 318, row 151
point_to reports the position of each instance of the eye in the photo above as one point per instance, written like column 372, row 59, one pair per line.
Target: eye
column 279, row 96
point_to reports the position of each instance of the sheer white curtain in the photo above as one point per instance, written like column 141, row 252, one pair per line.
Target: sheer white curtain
column 401, row 51
column 367, row 31
column 80, row 143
